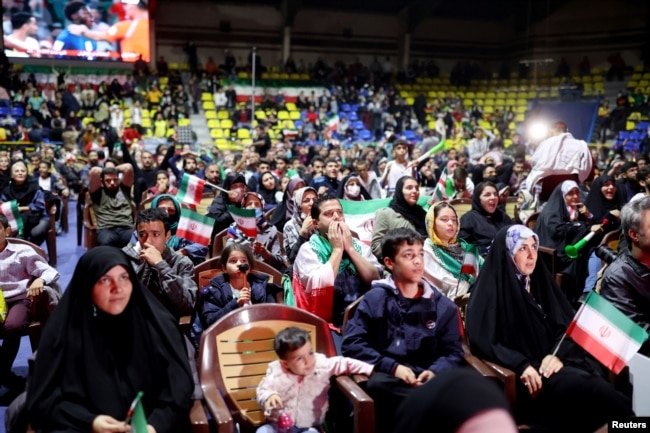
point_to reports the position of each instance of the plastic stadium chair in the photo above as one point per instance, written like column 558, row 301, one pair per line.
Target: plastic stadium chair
column 358, row 125
column 365, row 135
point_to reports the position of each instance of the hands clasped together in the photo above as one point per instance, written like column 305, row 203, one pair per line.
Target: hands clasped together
column 532, row 378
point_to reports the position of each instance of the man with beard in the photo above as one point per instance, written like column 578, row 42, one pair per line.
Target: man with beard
column 77, row 13
column 21, row 41
column 110, row 195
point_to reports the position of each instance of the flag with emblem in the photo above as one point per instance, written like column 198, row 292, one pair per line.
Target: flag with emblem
column 245, row 220
column 195, row 227
column 470, row 265
column 440, row 193
column 191, row 190
column 606, row 333
column 136, row 416
column 10, row 210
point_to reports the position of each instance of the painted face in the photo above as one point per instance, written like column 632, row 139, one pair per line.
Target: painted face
column 235, row 259
column 112, row 292
column 609, row 190
column 330, row 210
column 411, row 191
column 408, row 264
column 446, row 224
column 489, row 199
column 300, row 361
column 153, row 233
column 526, row 256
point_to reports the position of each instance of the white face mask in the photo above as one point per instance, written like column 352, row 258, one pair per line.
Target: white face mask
column 354, row 190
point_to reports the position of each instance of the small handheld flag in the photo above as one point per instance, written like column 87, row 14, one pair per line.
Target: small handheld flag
column 245, row 220
column 135, row 416
column 606, row 333
column 10, row 210
column 195, row 227
column 191, row 190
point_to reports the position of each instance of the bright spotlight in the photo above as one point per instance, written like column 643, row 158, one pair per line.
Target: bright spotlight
column 538, row 131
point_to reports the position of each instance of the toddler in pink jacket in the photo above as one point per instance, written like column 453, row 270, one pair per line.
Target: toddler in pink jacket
column 297, row 383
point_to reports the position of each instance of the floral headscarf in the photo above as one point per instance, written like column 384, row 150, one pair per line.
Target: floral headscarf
column 515, row 237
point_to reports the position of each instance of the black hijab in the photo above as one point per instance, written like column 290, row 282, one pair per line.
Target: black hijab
column 598, row 205
column 267, row 194
column 23, row 194
column 285, row 210
column 413, row 214
column 340, row 191
column 91, row 363
column 506, row 324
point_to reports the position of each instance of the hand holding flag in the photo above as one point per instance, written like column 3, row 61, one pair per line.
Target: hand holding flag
column 195, row 227
column 245, row 220
column 191, row 190
column 136, row 416
column 10, row 210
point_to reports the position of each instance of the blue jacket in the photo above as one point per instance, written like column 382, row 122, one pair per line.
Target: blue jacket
column 388, row 330
column 216, row 300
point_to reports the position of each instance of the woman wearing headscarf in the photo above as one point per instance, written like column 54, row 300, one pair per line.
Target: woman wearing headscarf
column 604, row 201
column 479, row 225
column 266, row 245
column 445, row 254
column 564, row 221
column 516, row 317
column 268, row 189
column 402, row 211
column 300, row 226
column 30, row 199
column 286, row 208
column 350, row 188
column 108, row 339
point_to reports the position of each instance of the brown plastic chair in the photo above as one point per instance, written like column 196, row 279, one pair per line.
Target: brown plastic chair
column 511, row 208
column 40, row 308
column 612, row 240
column 233, row 358
column 462, row 205
column 219, row 242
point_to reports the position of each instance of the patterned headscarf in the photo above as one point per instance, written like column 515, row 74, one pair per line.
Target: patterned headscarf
column 515, row 238
column 297, row 198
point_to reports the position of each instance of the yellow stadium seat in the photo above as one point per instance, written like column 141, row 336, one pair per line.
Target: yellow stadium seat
column 206, row 96
column 145, row 114
column 127, row 113
column 184, row 122
column 247, row 141
column 226, row 123
column 284, row 76
column 208, row 105
column 291, row 106
column 146, row 122
column 488, row 109
column 222, row 114
column 294, row 76
column 272, row 134
column 216, row 133
column 243, row 75
column 305, row 77
column 520, row 117
column 243, row 133
column 266, row 76
column 520, row 109
column 210, row 114
column 260, row 115
column 213, row 123
column 410, row 100
column 163, row 81
column 283, row 115
column 288, row 124
column 221, row 143
column 489, row 102
column 294, row 115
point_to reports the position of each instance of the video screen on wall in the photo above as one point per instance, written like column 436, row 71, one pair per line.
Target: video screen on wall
column 95, row 30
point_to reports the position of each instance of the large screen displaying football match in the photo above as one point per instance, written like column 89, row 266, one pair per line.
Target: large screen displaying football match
column 95, row 30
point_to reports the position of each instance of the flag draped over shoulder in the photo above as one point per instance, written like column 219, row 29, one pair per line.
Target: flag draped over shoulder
column 10, row 210
column 137, row 416
column 195, row 227
column 360, row 215
column 606, row 333
column 191, row 190
column 245, row 220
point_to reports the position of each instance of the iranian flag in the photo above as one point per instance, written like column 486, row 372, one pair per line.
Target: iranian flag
column 333, row 122
column 195, row 227
column 440, row 193
column 136, row 416
column 245, row 220
column 360, row 215
column 470, row 265
column 10, row 210
column 606, row 333
column 191, row 190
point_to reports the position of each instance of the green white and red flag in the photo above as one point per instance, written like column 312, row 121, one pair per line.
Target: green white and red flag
column 195, row 227
column 470, row 265
column 136, row 416
column 440, row 193
column 606, row 333
column 191, row 190
column 10, row 210
column 245, row 220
